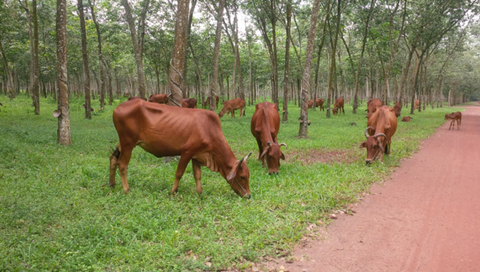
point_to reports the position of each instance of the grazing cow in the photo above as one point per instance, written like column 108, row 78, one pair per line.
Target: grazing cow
column 206, row 103
column 265, row 126
column 159, row 98
column 162, row 130
column 189, row 103
column 338, row 106
column 406, row 119
column 416, row 104
column 318, row 103
column 381, row 127
column 454, row 116
column 231, row 106
column 397, row 109
column 372, row 106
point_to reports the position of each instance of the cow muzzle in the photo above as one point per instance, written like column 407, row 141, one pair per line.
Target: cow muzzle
column 368, row 162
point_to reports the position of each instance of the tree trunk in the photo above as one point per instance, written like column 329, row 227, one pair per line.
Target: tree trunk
column 216, row 54
column 138, row 43
column 100, row 56
column 286, row 82
column 360, row 60
column 303, row 130
column 35, row 63
column 86, row 69
column 332, row 59
column 63, row 132
column 177, row 64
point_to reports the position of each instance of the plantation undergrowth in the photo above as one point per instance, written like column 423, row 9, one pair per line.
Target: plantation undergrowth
column 57, row 211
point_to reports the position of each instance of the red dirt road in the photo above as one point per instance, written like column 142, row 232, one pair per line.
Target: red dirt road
column 426, row 218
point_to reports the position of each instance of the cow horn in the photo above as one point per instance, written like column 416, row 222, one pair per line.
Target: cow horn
column 366, row 132
column 284, row 144
column 246, row 157
column 380, row 134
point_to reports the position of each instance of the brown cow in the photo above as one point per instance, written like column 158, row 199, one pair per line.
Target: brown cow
column 231, row 106
column 372, row 106
column 397, row 109
column 381, row 127
column 159, row 98
column 416, row 104
column 265, row 126
column 338, row 105
column 454, row 116
column 162, row 130
column 318, row 103
column 189, row 103
column 406, row 119
column 206, row 103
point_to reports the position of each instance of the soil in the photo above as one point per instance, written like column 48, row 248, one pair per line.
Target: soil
column 425, row 218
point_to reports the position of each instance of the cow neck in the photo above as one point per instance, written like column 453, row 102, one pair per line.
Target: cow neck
column 225, row 160
column 265, row 134
column 381, row 122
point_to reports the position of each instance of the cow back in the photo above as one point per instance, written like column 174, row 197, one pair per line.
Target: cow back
column 373, row 104
column 158, row 98
column 383, row 120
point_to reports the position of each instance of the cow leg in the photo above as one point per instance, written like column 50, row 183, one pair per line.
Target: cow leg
column 113, row 166
column 182, row 165
column 197, row 174
column 123, row 161
column 260, row 148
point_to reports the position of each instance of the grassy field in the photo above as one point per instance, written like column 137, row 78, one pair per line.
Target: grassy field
column 57, row 211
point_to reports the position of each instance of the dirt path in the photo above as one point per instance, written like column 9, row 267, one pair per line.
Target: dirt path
column 426, row 218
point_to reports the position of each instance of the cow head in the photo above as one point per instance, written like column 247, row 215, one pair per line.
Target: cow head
column 374, row 145
column 273, row 154
column 222, row 112
column 449, row 115
column 239, row 176
column 334, row 111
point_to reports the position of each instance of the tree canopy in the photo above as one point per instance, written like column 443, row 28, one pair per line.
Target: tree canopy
column 423, row 50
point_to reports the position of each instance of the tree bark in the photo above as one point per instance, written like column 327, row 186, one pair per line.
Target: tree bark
column 35, row 64
column 303, row 130
column 216, row 54
column 286, row 82
column 332, row 60
column 177, row 64
column 86, row 69
column 138, row 43
column 63, row 132
column 360, row 60
column 100, row 56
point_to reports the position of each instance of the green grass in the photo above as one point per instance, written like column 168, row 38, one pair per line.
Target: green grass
column 57, row 211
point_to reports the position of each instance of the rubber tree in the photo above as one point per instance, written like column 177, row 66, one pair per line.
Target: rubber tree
column 86, row 69
column 63, row 112
column 216, row 54
column 303, row 130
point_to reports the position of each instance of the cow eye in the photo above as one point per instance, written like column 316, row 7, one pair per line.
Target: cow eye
column 242, row 177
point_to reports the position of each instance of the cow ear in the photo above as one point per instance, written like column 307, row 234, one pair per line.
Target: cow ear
column 282, row 156
column 363, row 145
column 233, row 173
